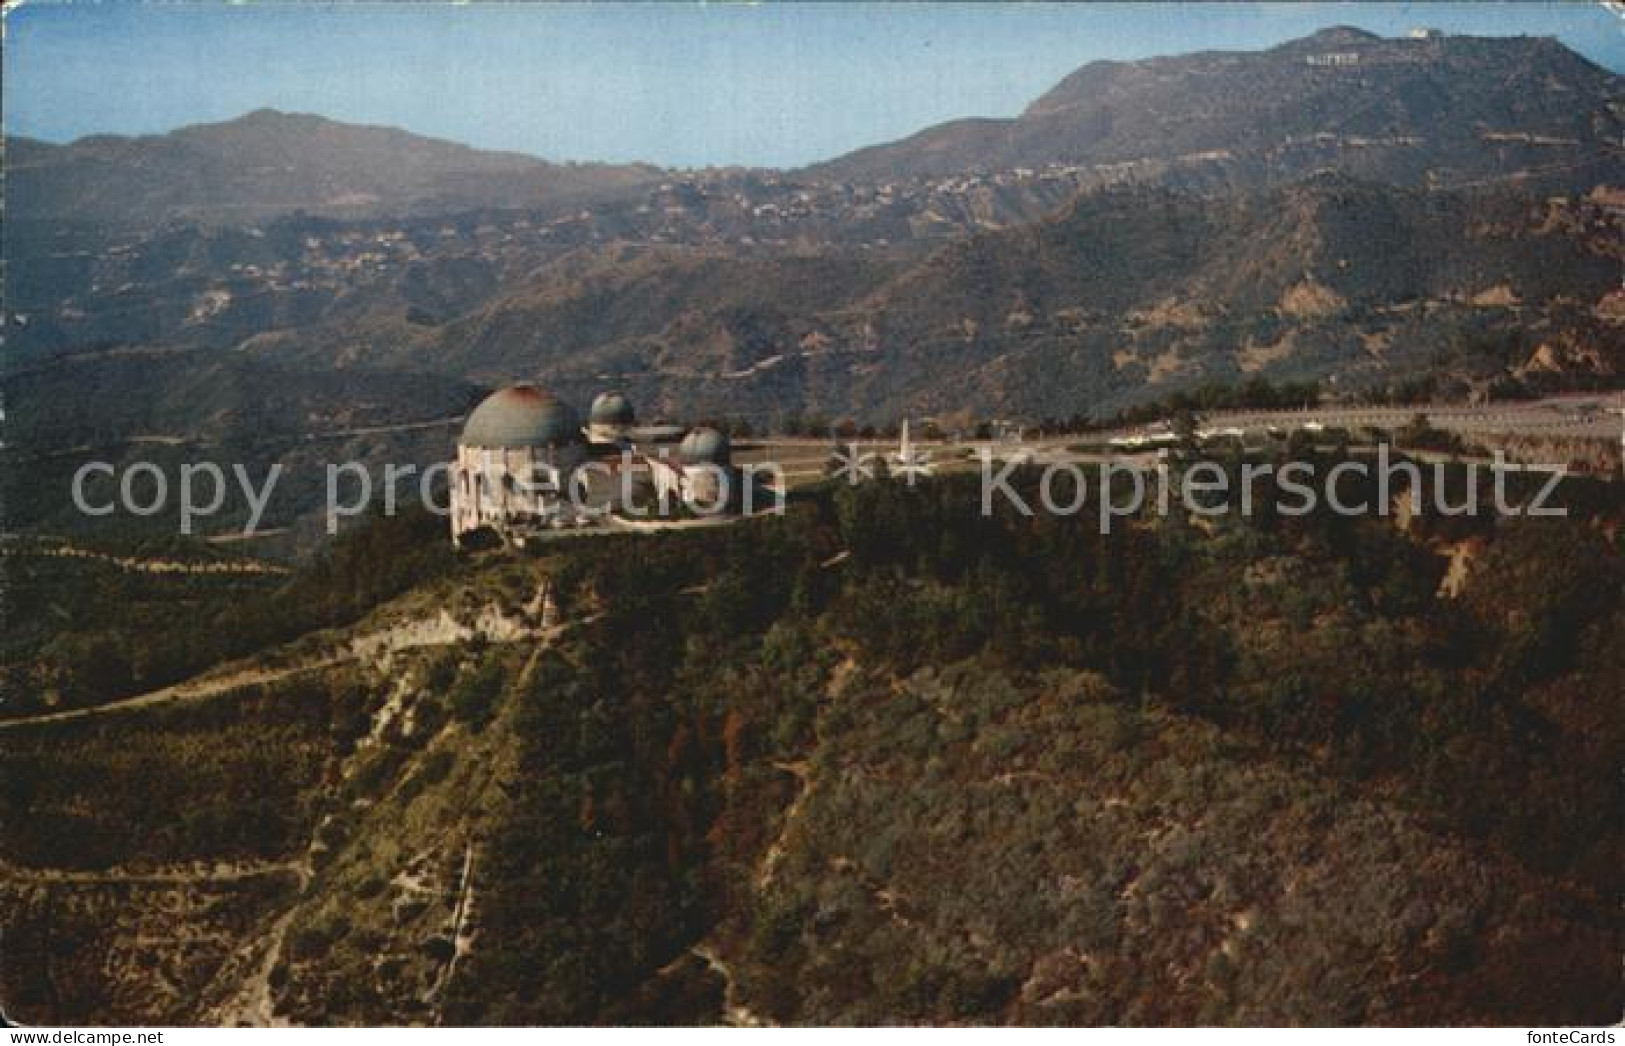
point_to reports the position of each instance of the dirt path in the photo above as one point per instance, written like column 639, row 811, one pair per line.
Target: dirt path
column 164, row 877
column 801, row 771
column 156, row 566
column 733, row 1011
column 462, row 935
column 245, row 980
column 192, row 689
column 440, row 630
column 253, row 1005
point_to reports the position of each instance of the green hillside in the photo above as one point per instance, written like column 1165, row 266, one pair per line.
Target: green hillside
column 882, row 760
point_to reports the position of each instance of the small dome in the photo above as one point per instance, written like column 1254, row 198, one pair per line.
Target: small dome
column 704, row 446
column 521, row 416
column 611, row 408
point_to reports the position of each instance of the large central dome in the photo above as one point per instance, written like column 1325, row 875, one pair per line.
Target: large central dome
column 521, row 416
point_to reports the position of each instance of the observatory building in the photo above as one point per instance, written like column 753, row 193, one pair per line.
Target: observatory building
column 525, row 464
column 516, row 451
column 704, row 458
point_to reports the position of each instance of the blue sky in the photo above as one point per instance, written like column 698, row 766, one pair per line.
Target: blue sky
column 680, row 84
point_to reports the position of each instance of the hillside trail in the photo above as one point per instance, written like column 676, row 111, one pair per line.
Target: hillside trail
column 192, row 689
column 464, row 921
column 250, row 1001
column 734, row 1013
column 376, row 647
column 159, row 566
column 222, row 872
column 253, row 1003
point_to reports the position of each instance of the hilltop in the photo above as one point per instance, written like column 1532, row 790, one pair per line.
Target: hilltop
column 1445, row 111
column 268, row 162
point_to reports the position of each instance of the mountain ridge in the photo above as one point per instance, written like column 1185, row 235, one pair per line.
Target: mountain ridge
column 1072, row 313
column 1440, row 111
column 267, row 162
column 1409, row 111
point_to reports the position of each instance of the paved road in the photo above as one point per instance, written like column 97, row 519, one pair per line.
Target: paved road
column 1581, row 415
column 1584, row 417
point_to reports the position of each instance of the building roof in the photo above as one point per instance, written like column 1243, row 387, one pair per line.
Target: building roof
column 521, row 416
column 611, row 408
column 704, row 445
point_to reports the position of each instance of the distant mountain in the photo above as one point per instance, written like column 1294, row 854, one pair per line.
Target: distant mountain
column 1130, row 293
column 780, row 297
column 1437, row 112
column 268, row 163
column 1125, row 295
